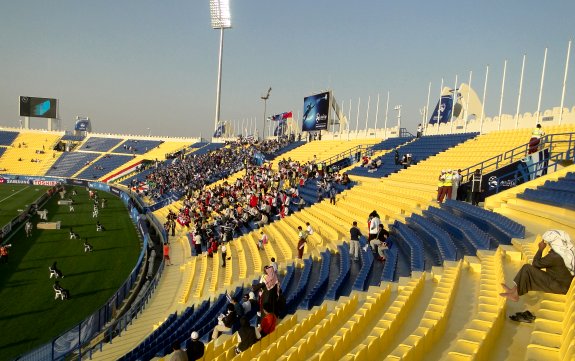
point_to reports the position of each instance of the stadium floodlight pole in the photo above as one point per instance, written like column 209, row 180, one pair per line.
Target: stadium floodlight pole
column 483, row 101
column 386, row 114
column 454, row 99
column 541, row 85
column 221, row 19
column 467, row 102
column 502, row 92
column 519, row 94
column 564, row 82
column 265, row 99
column 376, row 114
column 398, row 108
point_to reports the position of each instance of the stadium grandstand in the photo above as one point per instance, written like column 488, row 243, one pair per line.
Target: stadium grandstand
column 435, row 296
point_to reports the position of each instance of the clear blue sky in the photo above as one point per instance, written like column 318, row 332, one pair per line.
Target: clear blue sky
column 131, row 65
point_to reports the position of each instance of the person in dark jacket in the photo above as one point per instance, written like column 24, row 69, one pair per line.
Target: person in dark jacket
column 225, row 322
column 195, row 348
column 247, row 335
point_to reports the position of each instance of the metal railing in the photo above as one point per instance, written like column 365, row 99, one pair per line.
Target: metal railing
column 550, row 141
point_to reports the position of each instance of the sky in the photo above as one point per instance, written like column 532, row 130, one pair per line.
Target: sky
column 132, row 65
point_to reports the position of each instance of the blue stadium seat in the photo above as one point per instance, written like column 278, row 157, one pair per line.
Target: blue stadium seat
column 412, row 244
column 70, row 163
column 7, row 138
column 344, row 271
column 97, row 144
column 442, row 239
column 104, row 166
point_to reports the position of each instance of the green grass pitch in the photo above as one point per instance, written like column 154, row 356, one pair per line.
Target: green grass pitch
column 29, row 315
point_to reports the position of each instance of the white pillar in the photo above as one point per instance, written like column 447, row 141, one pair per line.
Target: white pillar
column 376, row 115
column 541, row 85
column 502, row 92
column 367, row 113
column 357, row 116
column 519, row 94
column 483, row 101
column 386, row 113
column 467, row 102
column 454, row 99
column 564, row 81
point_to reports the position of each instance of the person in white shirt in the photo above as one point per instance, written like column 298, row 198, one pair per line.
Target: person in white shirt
column 274, row 264
column 309, row 229
column 374, row 223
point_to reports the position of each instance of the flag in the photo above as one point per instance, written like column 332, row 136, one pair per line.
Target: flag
column 219, row 130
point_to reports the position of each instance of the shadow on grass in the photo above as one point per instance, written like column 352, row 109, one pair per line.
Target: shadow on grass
column 90, row 293
column 17, row 284
column 15, row 315
column 70, row 275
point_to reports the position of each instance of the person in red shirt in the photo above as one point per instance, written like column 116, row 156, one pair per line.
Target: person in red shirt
column 167, row 253
column 269, row 321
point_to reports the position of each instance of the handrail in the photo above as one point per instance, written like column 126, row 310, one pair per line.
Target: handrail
column 362, row 149
column 518, row 152
column 557, row 158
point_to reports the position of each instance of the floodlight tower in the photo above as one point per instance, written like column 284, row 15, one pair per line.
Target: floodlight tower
column 265, row 99
column 221, row 19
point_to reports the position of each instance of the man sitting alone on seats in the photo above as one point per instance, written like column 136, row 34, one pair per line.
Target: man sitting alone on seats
column 559, row 266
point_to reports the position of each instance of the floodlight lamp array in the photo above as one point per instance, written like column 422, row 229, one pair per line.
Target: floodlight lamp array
column 220, row 14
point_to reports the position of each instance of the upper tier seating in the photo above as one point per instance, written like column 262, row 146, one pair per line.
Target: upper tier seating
column 103, row 166
column 136, row 146
column 7, row 137
column 97, row 144
column 31, row 153
column 420, row 149
column 391, row 143
column 70, row 163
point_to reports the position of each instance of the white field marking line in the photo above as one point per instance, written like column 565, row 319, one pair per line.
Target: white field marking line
column 13, row 194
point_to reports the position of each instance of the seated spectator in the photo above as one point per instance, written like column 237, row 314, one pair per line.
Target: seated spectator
column 268, row 322
column 380, row 243
column 559, row 266
column 195, row 348
column 178, row 354
column 247, row 335
column 225, row 322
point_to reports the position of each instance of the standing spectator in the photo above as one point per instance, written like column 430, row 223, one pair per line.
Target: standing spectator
column 354, row 233
column 247, row 335
column 274, row 264
column 447, row 186
column 263, row 240
column 302, row 240
column 166, row 251
column 195, row 348
column 536, row 135
column 28, row 228
column 374, row 223
column 4, row 253
column 198, row 243
column 456, row 183
column 476, row 186
column 419, row 131
column 441, row 186
column 332, row 194
column 396, row 157
column 238, row 308
column 178, row 354
column 224, row 250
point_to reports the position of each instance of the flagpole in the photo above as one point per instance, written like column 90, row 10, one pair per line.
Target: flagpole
column 453, row 100
column 519, row 95
column 467, row 102
column 426, row 121
column 439, row 106
column 348, row 117
column 483, row 101
column 367, row 113
column 341, row 111
column 502, row 92
column 357, row 116
column 541, row 85
column 564, row 81
column 386, row 113
column 376, row 114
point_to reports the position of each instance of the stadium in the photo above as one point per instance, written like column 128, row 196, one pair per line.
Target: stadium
column 392, row 241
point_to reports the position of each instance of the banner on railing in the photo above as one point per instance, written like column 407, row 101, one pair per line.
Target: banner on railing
column 531, row 167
